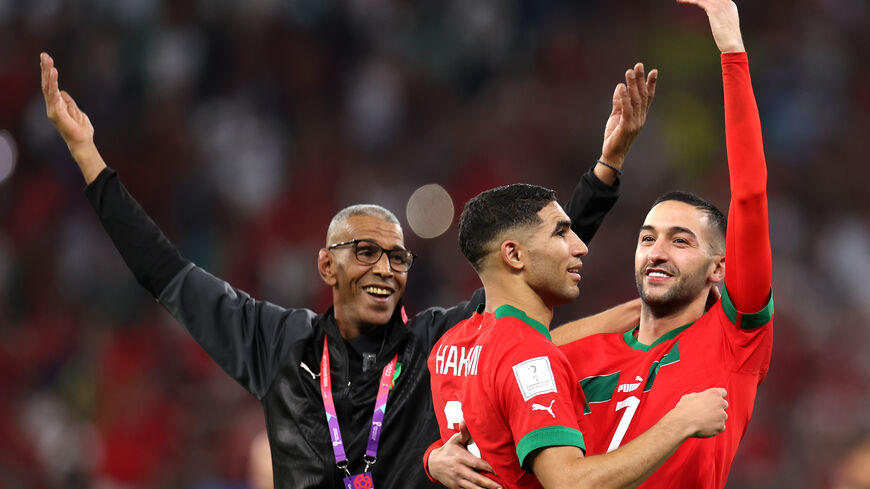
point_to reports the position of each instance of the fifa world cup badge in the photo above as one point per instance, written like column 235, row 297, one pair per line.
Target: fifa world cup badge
column 359, row 481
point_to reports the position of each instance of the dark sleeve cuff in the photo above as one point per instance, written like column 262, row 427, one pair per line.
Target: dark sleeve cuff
column 144, row 248
column 591, row 200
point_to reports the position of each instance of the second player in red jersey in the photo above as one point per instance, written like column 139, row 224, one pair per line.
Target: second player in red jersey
column 631, row 380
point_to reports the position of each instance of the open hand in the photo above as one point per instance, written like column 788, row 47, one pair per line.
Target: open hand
column 73, row 125
column 724, row 22
column 631, row 102
column 455, row 467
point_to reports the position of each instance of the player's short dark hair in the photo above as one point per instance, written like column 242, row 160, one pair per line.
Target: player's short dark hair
column 491, row 213
column 718, row 221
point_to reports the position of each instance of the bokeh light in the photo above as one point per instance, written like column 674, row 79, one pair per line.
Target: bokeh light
column 429, row 211
column 8, row 155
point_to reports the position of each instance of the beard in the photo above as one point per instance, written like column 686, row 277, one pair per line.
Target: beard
column 685, row 290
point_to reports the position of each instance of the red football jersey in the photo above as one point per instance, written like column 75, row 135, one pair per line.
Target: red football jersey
column 629, row 386
column 515, row 390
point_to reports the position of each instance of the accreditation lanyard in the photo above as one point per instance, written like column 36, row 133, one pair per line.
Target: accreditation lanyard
column 377, row 418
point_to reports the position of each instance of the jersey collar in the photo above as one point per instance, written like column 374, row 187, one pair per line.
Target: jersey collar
column 631, row 340
column 508, row 310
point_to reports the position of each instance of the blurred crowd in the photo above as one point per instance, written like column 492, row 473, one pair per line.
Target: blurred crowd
column 243, row 126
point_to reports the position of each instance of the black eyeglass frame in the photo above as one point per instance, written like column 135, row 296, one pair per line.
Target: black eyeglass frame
column 355, row 243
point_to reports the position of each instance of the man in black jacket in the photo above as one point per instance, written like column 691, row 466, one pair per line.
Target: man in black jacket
column 320, row 377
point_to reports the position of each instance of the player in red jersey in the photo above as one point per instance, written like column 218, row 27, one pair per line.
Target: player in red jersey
column 499, row 372
column 631, row 380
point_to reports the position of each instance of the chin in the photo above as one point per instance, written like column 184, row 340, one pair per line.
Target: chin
column 379, row 317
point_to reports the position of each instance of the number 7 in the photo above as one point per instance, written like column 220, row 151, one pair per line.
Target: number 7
column 631, row 403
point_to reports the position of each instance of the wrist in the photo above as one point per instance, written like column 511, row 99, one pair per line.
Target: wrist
column 608, row 170
column 88, row 159
column 681, row 425
column 427, row 456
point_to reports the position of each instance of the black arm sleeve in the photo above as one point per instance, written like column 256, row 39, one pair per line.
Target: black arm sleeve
column 246, row 337
column 591, row 200
column 147, row 252
column 433, row 322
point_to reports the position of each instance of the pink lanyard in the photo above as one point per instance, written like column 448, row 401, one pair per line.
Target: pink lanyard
column 377, row 418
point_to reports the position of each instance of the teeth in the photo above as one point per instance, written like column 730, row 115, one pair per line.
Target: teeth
column 658, row 274
column 377, row 291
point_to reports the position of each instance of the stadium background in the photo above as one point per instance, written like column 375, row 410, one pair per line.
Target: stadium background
column 243, row 126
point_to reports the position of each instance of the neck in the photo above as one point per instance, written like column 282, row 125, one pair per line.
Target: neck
column 501, row 292
column 656, row 322
column 351, row 329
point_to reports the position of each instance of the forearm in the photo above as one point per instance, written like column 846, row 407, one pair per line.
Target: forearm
column 634, row 462
column 618, row 319
column 591, row 200
column 147, row 252
column 88, row 159
column 748, row 254
column 625, row 467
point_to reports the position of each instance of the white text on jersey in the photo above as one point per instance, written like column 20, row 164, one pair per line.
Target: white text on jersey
column 630, row 387
column 456, row 360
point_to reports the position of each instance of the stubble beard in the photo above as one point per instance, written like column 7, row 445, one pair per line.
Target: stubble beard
column 678, row 296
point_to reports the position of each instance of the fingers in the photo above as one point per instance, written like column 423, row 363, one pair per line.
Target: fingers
column 458, row 439
column 71, row 107
column 48, row 78
column 474, row 480
column 463, row 431
column 478, row 481
column 633, row 90
column 651, row 80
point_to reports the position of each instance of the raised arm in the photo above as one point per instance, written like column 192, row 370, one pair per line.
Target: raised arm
column 73, row 125
column 748, row 256
column 598, row 189
column 245, row 337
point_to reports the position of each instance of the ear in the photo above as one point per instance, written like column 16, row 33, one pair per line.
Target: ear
column 512, row 255
column 326, row 267
column 717, row 272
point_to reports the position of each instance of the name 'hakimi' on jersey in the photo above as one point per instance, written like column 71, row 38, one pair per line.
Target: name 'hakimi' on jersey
column 457, row 360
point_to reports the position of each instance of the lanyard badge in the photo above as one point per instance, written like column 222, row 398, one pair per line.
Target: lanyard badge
column 364, row 480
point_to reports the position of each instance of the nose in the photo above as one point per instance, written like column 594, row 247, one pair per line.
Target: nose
column 382, row 266
column 657, row 252
column 578, row 247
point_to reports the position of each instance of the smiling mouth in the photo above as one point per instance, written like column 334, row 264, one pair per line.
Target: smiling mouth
column 378, row 292
column 658, row 273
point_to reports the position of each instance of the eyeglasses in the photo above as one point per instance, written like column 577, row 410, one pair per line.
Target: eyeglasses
column 368, row 252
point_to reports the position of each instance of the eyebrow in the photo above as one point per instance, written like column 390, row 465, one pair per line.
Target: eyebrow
column 370, row 240
column 561, row 225
column 672, row 229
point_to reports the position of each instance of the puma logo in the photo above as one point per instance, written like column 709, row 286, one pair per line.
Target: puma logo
column 549, row 409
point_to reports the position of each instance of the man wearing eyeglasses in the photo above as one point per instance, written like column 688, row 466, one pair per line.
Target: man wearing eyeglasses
column 345, row 393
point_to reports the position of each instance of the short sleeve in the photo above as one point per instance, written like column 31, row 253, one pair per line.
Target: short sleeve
column 537, row 392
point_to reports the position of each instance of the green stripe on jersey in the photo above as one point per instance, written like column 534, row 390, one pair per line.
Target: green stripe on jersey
column 746, row 321
column 549, row 436
column 599, row 388
column 672, row 356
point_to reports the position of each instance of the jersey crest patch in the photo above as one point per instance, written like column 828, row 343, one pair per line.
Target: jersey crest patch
column 535, row 377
